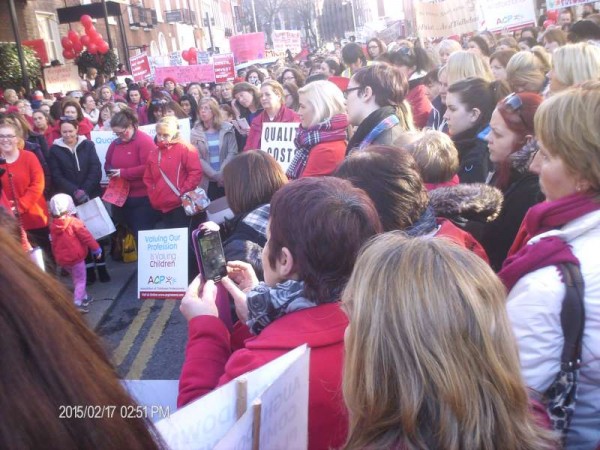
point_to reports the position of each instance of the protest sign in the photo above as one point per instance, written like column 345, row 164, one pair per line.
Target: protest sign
column 96, row 218
column 286, row 40
column 62, row 79
column 159, row 397
column 559, row 4
column 102, row 140
column 203, row 58
column 184, row 130
column 140, row 67
column 225, row 417
column 175, row 59
column 247, row 47
column 117, row 191
column 199, row 73
column 497, row 15
column 162, row 263
column 445, row 18
column 277, row 140
column 224, row 68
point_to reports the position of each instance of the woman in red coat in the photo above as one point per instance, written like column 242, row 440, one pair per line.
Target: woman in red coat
column 272, row 100
column 316, row 228
column 321, row 138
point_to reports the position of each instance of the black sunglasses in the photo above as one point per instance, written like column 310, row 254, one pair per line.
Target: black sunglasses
column 513, row 103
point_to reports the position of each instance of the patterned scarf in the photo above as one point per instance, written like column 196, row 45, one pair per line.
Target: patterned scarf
column 377, row 122
column 333, row 129
column 266, row 304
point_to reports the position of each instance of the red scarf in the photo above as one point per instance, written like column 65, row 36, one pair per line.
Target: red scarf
column 548, row 251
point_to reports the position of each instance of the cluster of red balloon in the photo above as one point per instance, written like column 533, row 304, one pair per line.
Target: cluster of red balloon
column 73, row 43
column 551, row 18
column 191, row 55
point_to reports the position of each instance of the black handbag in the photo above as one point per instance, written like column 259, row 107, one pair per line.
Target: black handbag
column 561, row 396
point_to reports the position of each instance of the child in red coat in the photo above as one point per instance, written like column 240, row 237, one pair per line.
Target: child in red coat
column 70, row 243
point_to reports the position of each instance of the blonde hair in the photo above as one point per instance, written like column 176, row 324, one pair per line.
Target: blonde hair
column 525, row 72
column 436, row 156
column 462, row 65
column 216, row 112
column 326, row 99
column 429, row 342
column 568, row 125
column 575, row 63
column 170, row 124
column 449, row 46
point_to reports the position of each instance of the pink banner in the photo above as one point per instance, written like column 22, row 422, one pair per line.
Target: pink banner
column 247, row 47
column 224, row 68
column 199, row 73
column 140, row 67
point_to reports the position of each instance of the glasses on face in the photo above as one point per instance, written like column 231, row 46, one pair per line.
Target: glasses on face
column 121, row 133
column 373, row 47
column 289, row 78
column 347, row 91
column 163, row 137
column 7, row 137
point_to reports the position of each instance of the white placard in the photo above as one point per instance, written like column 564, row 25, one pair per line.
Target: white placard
column 96, row 218
column 210, row 422
column 163, row 263
column 62, row 79
column 287, row 40
column 497, row 15
column 157, row 397
column 102, row 140
column 277, row 139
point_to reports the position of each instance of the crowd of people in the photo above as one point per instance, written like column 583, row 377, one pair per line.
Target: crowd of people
column 433, row 239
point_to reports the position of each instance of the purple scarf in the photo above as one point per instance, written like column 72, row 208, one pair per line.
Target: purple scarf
column 330, row 130
column 552, row 250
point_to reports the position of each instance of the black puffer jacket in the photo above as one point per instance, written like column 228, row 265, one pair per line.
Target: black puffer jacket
column 75, row 170
column 473, row 156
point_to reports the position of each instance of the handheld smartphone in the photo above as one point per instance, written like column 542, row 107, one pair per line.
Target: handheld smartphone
column 210, row 254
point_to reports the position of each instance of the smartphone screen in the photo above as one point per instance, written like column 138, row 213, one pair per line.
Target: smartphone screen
column 212, row 256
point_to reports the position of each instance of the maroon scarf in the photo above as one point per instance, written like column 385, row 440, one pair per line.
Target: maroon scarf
column 548, row 251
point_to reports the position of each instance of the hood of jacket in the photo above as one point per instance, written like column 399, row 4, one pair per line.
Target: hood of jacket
column 471, row 201
column 521, row 159
column 61, row 143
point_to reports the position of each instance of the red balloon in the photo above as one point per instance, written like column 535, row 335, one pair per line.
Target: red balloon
column 86, row 20
column 193, row 51
column 85, row 40
column 103, row 48
column 185, row 55
column 92, row 48
column 66, row 43
column 77, row 47
column 73, row 36
column 99, row 40
column 552, row 15
column 90, row 30
column 68, row 54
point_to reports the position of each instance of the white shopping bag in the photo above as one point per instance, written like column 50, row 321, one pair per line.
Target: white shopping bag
column 96, row 218
column 219, row 210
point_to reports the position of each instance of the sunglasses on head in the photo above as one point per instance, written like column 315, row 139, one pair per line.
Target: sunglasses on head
column 513, row 103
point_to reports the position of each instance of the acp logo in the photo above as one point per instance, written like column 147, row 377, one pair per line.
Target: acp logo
column 161, row 279
column 509, row 19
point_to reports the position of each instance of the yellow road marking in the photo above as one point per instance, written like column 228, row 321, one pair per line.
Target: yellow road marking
column 141, row 360
column 124, row 347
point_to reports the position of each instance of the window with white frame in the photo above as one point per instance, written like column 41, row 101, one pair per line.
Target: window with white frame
column 48, row 28
column 158, row 9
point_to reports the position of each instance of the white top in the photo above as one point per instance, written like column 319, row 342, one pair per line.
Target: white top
column 534, row 305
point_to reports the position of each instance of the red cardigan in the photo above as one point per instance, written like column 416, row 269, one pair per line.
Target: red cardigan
column 255, row 133
column 209, row 362
column 324, row 159
column 29, row 184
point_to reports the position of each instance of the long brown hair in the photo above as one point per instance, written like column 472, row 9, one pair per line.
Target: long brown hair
column 50, row 358
column 431, row 361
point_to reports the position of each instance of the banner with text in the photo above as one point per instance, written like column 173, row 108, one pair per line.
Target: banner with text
column 559, row 4
column 286, row 40
column 62, row 79
column 140, row 67
column 496, row 15
column 247, row 47
column 102, row 140
column 224, row 68
column 199, row 73
column 277, row 140
column 448, row 17
column 163, row 263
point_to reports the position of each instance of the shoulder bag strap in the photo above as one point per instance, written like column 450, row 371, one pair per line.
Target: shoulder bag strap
column 572, row 316
column 171, row 185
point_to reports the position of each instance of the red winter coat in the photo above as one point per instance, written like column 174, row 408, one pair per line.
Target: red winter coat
column 85, row 128
column 255, row 133
column 461, row 237
column 420, row 105
column 70, row 240
column 324, row 158
column 181, row 164
column 210, row 363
